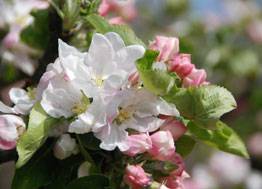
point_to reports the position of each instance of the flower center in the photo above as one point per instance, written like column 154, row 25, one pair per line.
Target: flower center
column 124, row 116
column 99, row 80
column 31, row 93
column 80, row 106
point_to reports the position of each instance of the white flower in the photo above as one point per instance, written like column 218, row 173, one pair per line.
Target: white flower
column 130, row 108
column 102, row 71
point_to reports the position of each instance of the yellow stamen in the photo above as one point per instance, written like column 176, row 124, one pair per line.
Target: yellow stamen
column 31, row 93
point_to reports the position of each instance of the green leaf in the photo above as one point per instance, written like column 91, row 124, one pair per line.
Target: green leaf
column 155, row 80
column 40, row 123
column 183, row 100
column 223, row 138
column 103, row 26
column 36, row 35
column 211, row 102
column 84, row 151
column 90, row 141
column 89, row 182
column 184, row 145
column 36, row 172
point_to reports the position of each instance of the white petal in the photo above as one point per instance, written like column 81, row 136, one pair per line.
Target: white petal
column 127, row 56
column 100, row 55
column 6, row 109
column 167, row 108
column 146, row 124
column 18, row 95
column 116, row 138
column 115, row 40
column 115, row 82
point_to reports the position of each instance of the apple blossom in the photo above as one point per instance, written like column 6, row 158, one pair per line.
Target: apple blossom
column 138, row 144
column 131, row 108
column 65, row 147
column 178, row 160
column 176, row 128
column 92, row 73
column 163, row 147
column 11, row 129
column 135, row 176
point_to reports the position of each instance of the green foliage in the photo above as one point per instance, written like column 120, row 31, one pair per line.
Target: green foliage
column 223, row 138
column 71, row 12
column 103, row 26
column 89, row 141
column 183, row 100
column 88, row 7
column 36, row 35
column 40, row 124
column 211, row 102
column 89, row 182
column 44, row 169
column 155, row 80
column 84, row 151
column 184, row 145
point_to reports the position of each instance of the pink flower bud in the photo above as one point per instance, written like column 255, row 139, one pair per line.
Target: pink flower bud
column 138, row 144
column 176, row 128
column 163, row 147
column 133, row 78
column 103, row 8
column 65, row 147
column 195, row 78
column 168, row 47
column 178, row 160
column 11, row 129
column 181, row 64
column 116, row 20
column 135, row 176
column 175, row 182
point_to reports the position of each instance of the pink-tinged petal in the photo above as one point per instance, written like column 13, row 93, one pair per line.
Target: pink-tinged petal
column 176, row 128
column 138, row 144
column 103, row 8
column 168, row 47
column 116, row 20
column 43, row 83
column 175, row 182
column 12, row 38
column 178, row 160
column 133, row 78
column 11, row 129
column 163, row 147
column 195, row 78
column 135, row 176
column 181, row 64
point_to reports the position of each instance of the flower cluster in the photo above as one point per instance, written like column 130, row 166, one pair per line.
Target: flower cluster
column 96, row 91
column 178, row 62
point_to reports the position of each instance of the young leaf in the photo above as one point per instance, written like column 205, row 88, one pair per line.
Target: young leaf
column 211, row 102
column 89, row 182
column 103, row 26
column 40, row 123
column 183, row 100
column 155, row 80
column 36, row 35
column 223, row 138
column 184, row 145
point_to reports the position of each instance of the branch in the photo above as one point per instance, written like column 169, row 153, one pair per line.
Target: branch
column 8, row 155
